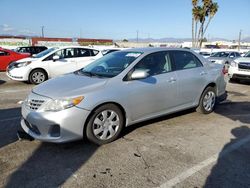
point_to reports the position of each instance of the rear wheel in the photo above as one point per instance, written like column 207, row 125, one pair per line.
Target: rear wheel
column 37, row 76
column 207, row 101
column 105, row 124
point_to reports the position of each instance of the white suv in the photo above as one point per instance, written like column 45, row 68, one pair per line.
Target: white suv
column 51, row 63
column 239, row 69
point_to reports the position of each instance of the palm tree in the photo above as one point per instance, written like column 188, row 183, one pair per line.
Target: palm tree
column 212, row 11
column 197, row 12
column 194, row 16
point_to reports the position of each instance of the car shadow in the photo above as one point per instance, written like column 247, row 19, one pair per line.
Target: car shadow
column 9, row 125
column 50, row 165
column 2, row 82
column 232, row 168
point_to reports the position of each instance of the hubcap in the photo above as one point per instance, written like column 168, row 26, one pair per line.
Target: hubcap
column 106, row 124
column 209, row 101
column 38, row 77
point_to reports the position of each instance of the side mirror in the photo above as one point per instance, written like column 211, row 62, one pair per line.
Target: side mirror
column 139, row 74
column 55, row 58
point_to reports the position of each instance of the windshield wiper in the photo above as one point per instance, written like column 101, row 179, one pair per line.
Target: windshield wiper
column 90, row 74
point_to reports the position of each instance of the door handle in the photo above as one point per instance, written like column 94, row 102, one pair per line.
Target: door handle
column 203, row 73
column 172, row 80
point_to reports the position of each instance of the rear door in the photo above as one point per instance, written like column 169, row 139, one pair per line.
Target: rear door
column 85, row 56
column 65, row 64
column 191, row 76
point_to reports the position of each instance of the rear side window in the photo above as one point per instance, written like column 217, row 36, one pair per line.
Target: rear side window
column 185, row 60
column 81, row 52
column 94, row 52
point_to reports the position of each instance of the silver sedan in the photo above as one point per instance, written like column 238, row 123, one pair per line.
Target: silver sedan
column 118, row 90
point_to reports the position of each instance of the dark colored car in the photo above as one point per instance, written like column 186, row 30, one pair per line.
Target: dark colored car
column 31, row 49
column 105, row 52
column 7, row 56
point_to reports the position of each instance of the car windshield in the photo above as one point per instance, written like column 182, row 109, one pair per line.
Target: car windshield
column 43, row 53
column 110, row 65
column 247, row 54
column 220, row 54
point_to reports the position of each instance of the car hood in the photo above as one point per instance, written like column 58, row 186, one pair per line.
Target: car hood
column 69, row 85
column 243, row 60
column 27, row 59
column 216, row 58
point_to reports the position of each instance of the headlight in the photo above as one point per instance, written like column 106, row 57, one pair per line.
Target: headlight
column 233, row 64
column 23, row 64
column 60, row 104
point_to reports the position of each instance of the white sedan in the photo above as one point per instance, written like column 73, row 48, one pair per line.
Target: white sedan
column 51, row 63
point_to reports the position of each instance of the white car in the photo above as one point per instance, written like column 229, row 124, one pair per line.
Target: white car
column 51, row 63
column 239, row 69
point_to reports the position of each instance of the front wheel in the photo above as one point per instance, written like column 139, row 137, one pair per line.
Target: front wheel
column 105, row 124
column 37, row 76
column 207, row 101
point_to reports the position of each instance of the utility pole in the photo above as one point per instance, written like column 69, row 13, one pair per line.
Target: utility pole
column 42, row 31
column 239, row 40
column 80, row 32
column 137, row 35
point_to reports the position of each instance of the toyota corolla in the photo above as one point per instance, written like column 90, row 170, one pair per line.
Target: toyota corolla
column 118, row 90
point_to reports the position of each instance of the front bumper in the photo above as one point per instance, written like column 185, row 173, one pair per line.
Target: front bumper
column 57, row 127
column 19, row 74
column 236, row 73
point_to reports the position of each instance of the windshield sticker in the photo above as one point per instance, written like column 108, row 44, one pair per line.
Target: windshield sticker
column 133, row 54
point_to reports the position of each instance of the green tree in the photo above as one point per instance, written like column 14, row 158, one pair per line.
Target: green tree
column 201, row 10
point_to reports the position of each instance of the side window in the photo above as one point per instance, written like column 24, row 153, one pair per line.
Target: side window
column 94, row 52
column 185, row 60
column 237, row 54
column 64, row 53
column 3, row 53
column 81, row 52
column 232, row 54
column 155, row 63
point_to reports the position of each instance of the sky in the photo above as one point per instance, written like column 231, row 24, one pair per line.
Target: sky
column 119, row 19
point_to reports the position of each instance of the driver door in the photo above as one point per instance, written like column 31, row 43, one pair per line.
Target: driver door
column 65, row 64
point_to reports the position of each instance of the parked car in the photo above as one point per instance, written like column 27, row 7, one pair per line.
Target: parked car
column 8, row 56
column 51, row 63
column 31, row 49
column 107, row 51
column 205, row 54
column 239, row 69
column 223, row 57
column 118, row 90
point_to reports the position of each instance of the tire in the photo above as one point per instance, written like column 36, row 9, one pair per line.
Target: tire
column 37, row 76
column 105, row 124
column 207, row 101
column 233, row 80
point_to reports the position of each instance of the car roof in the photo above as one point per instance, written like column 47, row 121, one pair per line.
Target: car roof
column 63, row 47
column 152, row 49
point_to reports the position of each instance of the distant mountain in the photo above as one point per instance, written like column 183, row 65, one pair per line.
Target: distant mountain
column 246, row 39
column 161, row 40
column 180, row 40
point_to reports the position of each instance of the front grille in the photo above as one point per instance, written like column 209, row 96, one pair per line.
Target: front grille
column 244, row 66
column 34, row 101
column 34, row 104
